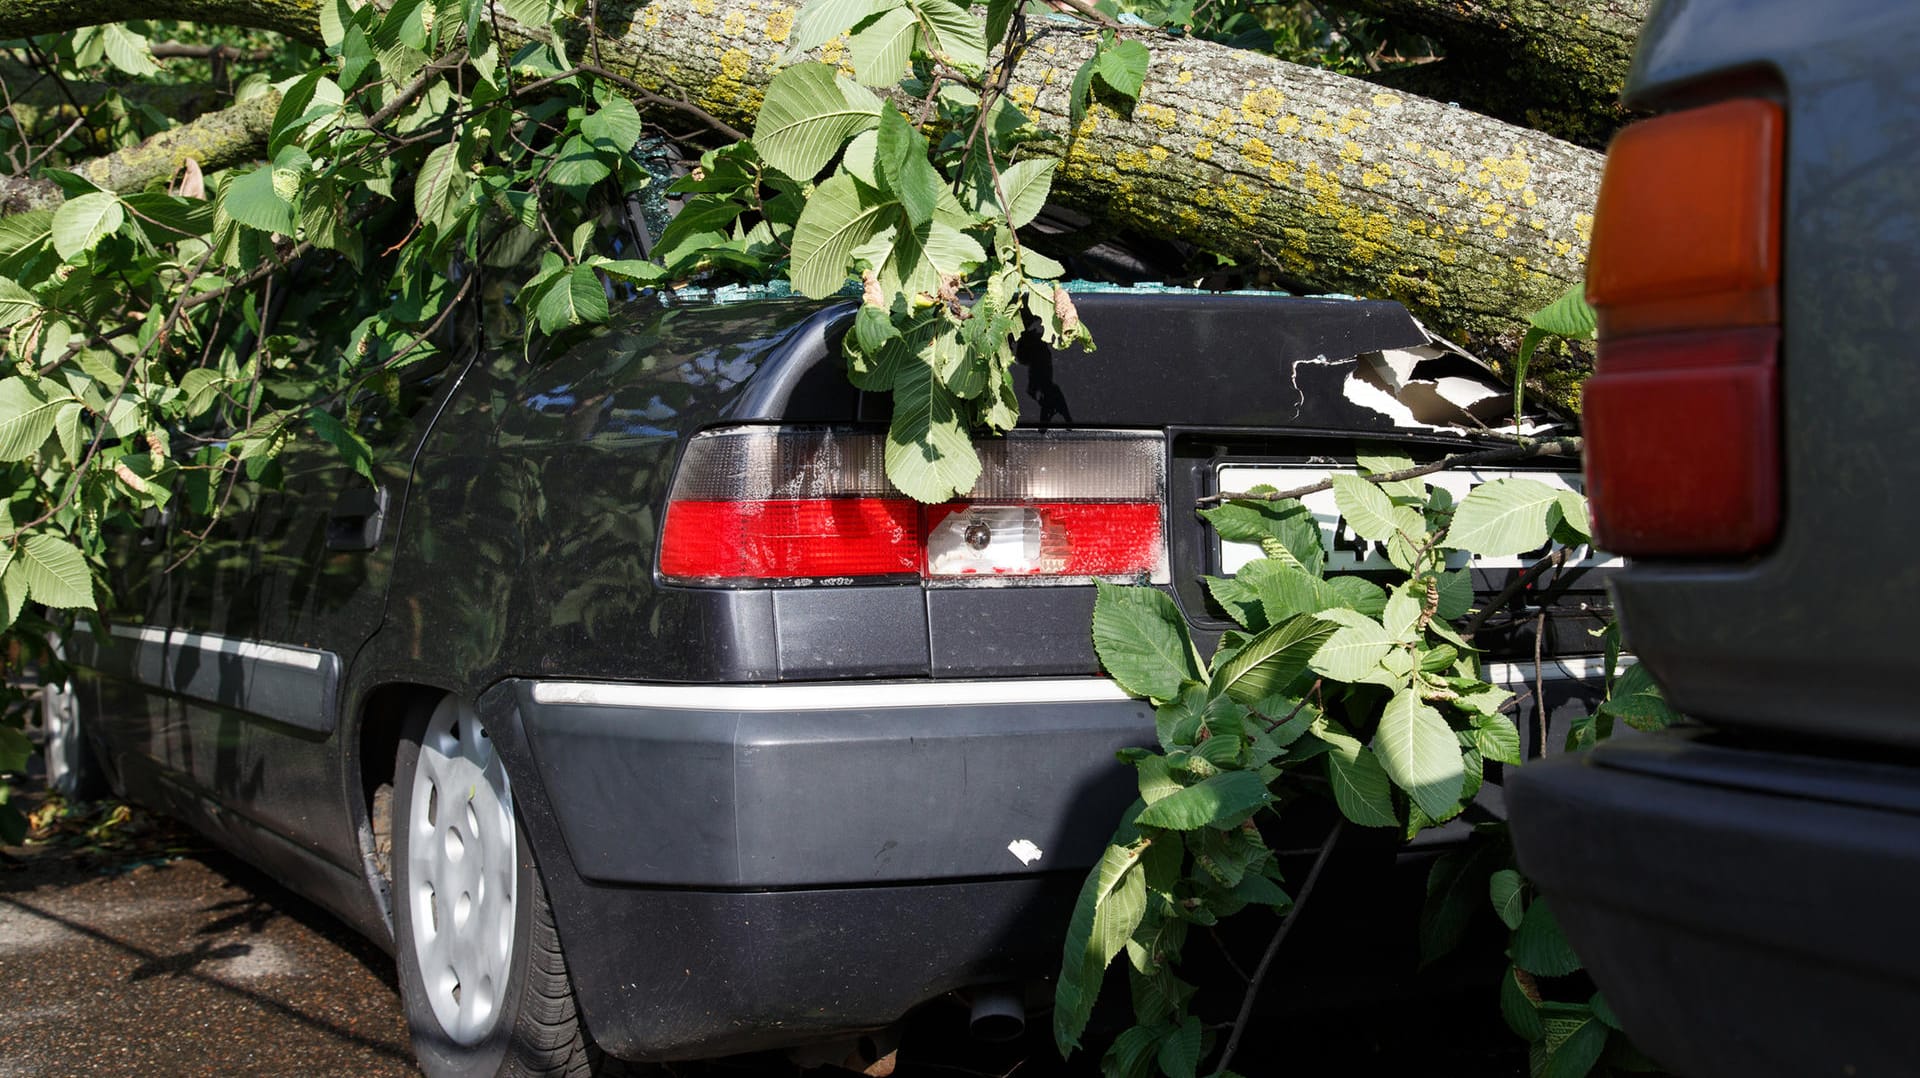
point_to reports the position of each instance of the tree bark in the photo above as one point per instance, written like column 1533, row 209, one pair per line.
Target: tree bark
column 1339, row 185
column 1553, row 65
column 217, row 140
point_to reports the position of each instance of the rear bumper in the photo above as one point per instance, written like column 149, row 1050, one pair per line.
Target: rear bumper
column 1747, row 913
column 738, row 867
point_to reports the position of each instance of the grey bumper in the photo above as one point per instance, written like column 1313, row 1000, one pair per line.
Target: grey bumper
column 823, row 784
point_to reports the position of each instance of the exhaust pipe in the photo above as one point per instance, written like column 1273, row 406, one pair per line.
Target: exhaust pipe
column 999, row 1013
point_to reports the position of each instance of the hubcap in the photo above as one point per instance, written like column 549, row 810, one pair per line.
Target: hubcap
column 461, row 872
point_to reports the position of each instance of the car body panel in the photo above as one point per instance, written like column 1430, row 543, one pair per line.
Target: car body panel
column 727, row 874
column 1732, row 642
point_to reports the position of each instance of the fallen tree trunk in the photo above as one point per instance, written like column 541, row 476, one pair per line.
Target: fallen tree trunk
column 217, row 140
column 1553, row 65
column 1339, row 185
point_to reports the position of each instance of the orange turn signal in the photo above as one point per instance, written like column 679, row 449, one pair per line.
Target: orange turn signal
column 1687, row 232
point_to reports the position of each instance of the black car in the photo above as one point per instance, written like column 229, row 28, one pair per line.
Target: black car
column 637, row 712
column 1742, row 887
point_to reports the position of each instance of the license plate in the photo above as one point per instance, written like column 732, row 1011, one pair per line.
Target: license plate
column 1347, row 552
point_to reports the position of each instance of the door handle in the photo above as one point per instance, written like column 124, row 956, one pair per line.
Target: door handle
column 358, row 519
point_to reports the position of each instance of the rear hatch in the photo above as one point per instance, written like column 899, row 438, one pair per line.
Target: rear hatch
column 1226, row 391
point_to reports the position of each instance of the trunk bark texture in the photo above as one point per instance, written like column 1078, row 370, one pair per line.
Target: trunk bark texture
column 1554, row 65
column 231, row 136
column 1337, row 184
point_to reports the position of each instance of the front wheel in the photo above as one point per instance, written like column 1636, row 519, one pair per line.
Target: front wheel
column 481, row 974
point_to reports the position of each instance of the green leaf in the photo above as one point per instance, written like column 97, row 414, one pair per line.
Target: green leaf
column 1456, row 595
column 578, row 165
column 614, row 126
column 27, row 413
column 835, row 221
column 1401, row 614
column 929, row 455
column 1568, row 315
column 1636, row 699
column 55, row 572
column 1026, row 184
column 1501, row 517
column 1505, row 888
column 22, row 231
column 1497, row 738
column 1362, row 596
column 1521, row 1012
column 999, row 18
column 1538, row 945
column 953, row 32
column 900, row 161
column 1080, row 94
column 1271, row 661
column 353, row 449
column 1604, row 1011
column 1221, row 800
column 250, row 199
column 1360, row 785
column 1180, row 1050
column 811, row 110
column 1455, row 885
column 1368, row 510
column 13, row 590
column 1573, row 513
column 83, row 221
column 922, row 255
column 1110, row 906
column 820, row 21
column 1123, row 68
column 1574, row 1045
column 15, row 750
column 630, row 269
column 881, row 49
column 16, row 303
column 1142, row 641
column 1290, row 522
column 128, row 51
column 1420, row 753
column 1353, row 651
column 441, row 187
column 578, row 298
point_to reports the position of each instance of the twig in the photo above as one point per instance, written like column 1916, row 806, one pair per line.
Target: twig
column 1527, row 576
column 1093, row 14
column 1273, row 946
column 1551, row 447
column 645, row 95
column 413, row 89
column 176, row 50
column 1539, row 686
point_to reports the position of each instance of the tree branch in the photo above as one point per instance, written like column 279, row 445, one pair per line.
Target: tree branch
column 1273, row 946
column 217, row 140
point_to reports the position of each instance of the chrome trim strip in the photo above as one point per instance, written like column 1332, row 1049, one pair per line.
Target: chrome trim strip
column 303, row 658
column 831, row 696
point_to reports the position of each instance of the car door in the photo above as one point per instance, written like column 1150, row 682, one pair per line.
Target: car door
column 271, row 604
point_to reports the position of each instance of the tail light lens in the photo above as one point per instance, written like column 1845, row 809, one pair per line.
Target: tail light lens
column 790, row 505
column 1681, row 413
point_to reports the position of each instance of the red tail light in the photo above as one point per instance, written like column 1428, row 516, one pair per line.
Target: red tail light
column 1681, row 414
column 808, row 505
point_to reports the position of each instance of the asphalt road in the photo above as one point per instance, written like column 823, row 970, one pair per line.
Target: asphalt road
column 139, row 950
column 118, row 963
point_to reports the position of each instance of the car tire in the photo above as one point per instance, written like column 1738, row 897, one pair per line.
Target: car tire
column 482, row 976
column 72, row 769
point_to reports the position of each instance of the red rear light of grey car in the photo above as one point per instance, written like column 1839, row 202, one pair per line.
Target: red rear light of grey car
column 1681, row 415
column 794, row 505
